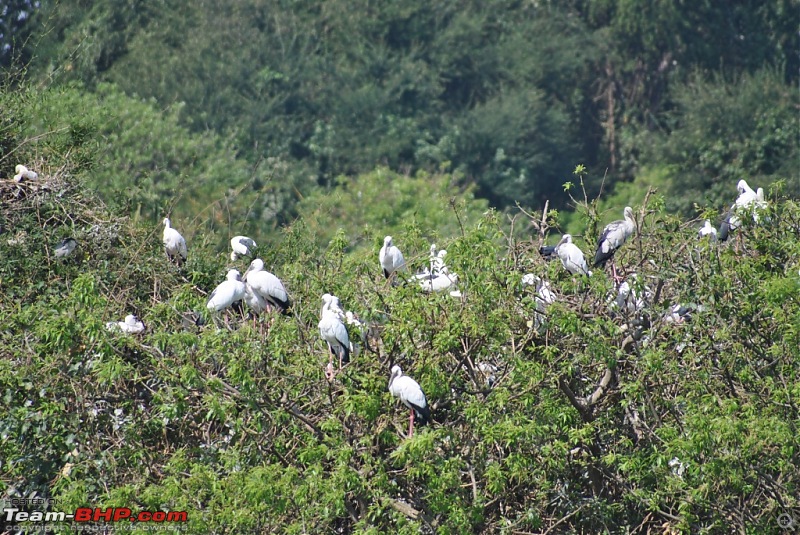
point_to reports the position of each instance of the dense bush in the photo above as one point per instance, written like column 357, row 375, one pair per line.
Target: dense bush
column 597, row 421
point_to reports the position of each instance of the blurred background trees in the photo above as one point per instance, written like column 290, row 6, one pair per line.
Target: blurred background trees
column 284, row 97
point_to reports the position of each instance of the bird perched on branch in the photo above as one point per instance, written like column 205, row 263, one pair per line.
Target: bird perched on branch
column 242, row 246
column 333, row 331
column 707, row 231
column 391, row 258
column 131, row 325
column 614, row 235
column 227, row 293
column 174, row 244
column 267, row 286
column 66, row 247
column 747, row 199
column 411, row 394
column 571, row 256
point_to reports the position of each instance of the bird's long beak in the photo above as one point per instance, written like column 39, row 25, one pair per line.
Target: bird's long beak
column 244, row 277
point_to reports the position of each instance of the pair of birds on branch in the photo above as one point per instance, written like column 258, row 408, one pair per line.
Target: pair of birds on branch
column 614, row 235
column 433, row 278
column 747, row 201
column 258, row 288
column 175, row 245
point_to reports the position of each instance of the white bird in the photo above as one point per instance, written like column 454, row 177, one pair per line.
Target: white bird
column 255, row 303
column 544, row 297
column 442, row 282
column 438, row 265
column 24, row 172
column 708, row 231
column 431, row 260
column 544, row 294
column 131, row 325
column 333, row 331
column 174, row 244
column 613, row 237
column 253, row 300
column 352, row 319
column 678, row 468
column 65, row 247
column 268, row 286
column 571, row 256
column 489, row 372
column 411, row 394
column 746, row 199
column 242, row 246
column 348, row 318
column 628, row 299
column 759, row 204
column 227, row 292
column 391, row 258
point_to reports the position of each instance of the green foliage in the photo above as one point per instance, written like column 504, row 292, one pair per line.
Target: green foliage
column 726, row 132
column 340, row 88
column 142, row 161
column 362, row 210
column 504, row 95
column 597, row 420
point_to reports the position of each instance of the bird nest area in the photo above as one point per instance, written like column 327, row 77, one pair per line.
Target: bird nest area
column 56, row 204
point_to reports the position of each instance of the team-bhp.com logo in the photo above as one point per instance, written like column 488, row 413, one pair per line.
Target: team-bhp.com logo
column 17, row 520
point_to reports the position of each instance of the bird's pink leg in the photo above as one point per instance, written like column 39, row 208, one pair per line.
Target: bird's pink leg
column 617, row 278
column 411, row 425
column 329, row 373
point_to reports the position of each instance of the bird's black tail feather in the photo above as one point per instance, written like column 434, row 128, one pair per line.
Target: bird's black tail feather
column 724, row 228
column 600, row 258
column 422, row 415
column 548, row 252
column 284, row 306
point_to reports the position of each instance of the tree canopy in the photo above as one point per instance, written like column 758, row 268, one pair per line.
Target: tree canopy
column 596, row 418
column 560, row 403
column 509, row 95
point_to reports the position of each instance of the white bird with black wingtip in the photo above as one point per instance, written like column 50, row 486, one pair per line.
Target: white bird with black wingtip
column 614, row 235
column 174, row 244
column 242, row 246
column 707, row 231
column 747, row 199
column 391, row 258
column 571, row 256
column 333, row 331
column 228, row 292
column 268, row 286
column 348, row 318
column 411, row 394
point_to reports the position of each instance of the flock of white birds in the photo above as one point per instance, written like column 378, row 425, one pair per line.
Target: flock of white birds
column 262, row 291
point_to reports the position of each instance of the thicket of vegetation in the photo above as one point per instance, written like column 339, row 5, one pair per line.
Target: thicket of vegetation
column 596, row 421
column 320, row 127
